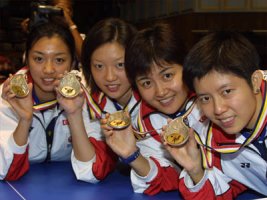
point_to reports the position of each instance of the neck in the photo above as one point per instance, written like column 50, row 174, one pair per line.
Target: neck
column 125, row 98
column 44, row 96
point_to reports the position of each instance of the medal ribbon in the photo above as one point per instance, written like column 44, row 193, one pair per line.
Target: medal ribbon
column 142, row 127
column 94, row 110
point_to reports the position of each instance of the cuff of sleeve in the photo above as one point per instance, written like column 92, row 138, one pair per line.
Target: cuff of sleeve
column 152, row 173
column 190, row 184
column 15, row 148
column 83, row 170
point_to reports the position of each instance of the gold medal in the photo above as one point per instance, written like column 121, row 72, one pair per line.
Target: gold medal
column 176, row 132
column 69, row 85
column 19, row 85
column 118, row 120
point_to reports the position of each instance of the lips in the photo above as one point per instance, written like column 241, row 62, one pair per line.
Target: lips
column 227, row 122
column 113, row 88
column 166, row 101
column 48, row 81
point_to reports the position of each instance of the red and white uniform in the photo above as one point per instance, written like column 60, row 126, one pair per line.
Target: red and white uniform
column 14, row 159
column 235, row 163
column 164, row 173
column 105, row 160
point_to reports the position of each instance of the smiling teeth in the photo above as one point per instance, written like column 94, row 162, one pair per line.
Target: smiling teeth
column 226, row 120
column 49, row 79
column 112, row 86
column 165, row 100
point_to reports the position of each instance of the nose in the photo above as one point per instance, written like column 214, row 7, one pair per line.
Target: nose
column 110, row 74
column 219, row 106
column 49, row 67
column 160, row 89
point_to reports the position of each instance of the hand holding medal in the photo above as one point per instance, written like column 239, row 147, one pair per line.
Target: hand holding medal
column 119, row 120
column 176, row 132
column 69, row 85
column 19, row 86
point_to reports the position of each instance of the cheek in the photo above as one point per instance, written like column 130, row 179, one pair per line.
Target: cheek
column 207, row 110
column 146, row 94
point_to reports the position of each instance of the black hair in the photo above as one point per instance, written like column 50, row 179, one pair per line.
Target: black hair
column 105, row 31
column 223, row 51
column 156, row 44
column 56, row 26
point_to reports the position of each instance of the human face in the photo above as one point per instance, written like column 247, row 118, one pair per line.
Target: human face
column 228, row 101
column 107, row 68
column 163, row 88
column 48, row 58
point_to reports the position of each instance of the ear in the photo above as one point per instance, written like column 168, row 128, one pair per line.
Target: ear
column 256, row 80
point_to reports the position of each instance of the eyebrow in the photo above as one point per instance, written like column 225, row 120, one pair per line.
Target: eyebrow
column 42, row 53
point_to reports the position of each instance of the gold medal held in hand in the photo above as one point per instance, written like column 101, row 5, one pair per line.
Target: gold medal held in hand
column 118, row 120
column 69, row 85
column 19, row 86
column 176, row 132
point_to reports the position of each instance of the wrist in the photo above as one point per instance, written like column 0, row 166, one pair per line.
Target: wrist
column 131, row 158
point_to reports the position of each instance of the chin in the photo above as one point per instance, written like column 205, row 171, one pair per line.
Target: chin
column 231, row 131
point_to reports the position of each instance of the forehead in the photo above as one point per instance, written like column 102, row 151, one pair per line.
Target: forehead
column 156, row 70
column 50, row 43
column 111, row 49
column 215, row 80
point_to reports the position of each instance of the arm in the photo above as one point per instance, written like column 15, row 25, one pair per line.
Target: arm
column 213, row 185
column 14, row 133
column 151, row 171
column 91, row 159
column 73, row 28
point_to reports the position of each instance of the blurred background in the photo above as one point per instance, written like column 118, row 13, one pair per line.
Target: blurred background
column 191, row 18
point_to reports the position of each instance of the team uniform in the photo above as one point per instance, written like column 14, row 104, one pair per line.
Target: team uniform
column 164, row 172
column 49, row 136
column 232, row 163
column 105, row 159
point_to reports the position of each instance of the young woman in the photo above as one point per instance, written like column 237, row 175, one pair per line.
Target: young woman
column 154, row 66
column 38, row 127
column 103, row 67
column 223, row 69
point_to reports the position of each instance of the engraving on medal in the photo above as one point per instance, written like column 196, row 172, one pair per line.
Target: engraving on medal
column 118, row 120
column 18, row 85
column 176, row 133
column 69, row 85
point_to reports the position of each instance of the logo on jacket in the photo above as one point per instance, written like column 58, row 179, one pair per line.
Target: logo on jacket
column 65, row 122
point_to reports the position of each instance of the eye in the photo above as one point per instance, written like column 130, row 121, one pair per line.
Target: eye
column 227, row 91
column 145, row 83
column 60, row 60
column 168, row 76
column 38, row 59
column 120, row 65
column 204, row 99
column 98, row 66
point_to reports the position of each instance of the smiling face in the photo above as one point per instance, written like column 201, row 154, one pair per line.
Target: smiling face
column 163, row 88
column 228, row 101
column 48, row 58
column 107, row 67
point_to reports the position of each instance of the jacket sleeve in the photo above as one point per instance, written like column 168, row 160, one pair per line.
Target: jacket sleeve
column 14, row 161
column 163, row 176
column 99, row 167
column 214, row 185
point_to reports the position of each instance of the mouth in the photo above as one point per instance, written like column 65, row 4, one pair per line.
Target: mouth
column 48, row 80
column 227, row 122
column 166, row 101
column 113, row 88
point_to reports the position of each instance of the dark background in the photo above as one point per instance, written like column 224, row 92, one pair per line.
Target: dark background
column 190, row 25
